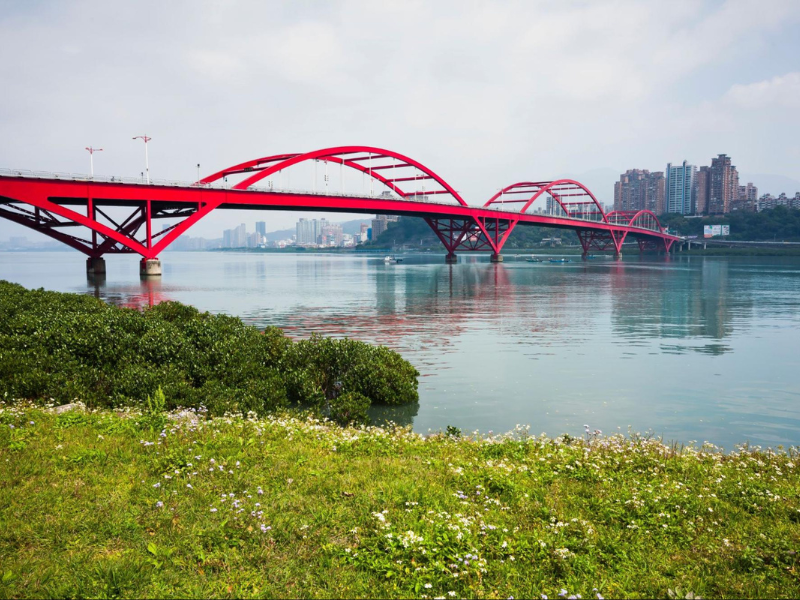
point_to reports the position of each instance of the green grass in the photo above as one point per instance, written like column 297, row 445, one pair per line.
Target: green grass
column 105, row 504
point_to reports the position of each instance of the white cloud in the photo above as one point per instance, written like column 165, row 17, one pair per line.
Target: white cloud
column 782, row 91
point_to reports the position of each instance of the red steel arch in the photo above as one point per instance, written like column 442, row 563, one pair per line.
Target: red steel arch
column 639, row 219
column 266, row 166
column 559, row 190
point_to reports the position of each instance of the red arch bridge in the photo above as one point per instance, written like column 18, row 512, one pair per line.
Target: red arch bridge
column 99, row 216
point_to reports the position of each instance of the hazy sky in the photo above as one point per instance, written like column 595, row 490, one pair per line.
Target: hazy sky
column 485, row 93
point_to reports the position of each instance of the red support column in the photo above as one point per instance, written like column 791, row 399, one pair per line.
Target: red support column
column 619, row 239
column 149, row 226
column 149, row 265
column 585, row 238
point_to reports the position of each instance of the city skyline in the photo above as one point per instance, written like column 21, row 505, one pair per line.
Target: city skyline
column 715, row 189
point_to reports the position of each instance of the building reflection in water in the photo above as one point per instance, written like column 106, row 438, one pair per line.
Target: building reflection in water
column 693, row 307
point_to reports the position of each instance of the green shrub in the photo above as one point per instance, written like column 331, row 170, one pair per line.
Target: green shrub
column 350, row 408
column 68, row 347
column 323, row 368
column 383, row 376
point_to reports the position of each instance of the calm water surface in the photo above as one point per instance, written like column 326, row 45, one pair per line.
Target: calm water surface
column 689, row 348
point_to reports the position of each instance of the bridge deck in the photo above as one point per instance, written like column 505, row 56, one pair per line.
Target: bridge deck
column 56, row 194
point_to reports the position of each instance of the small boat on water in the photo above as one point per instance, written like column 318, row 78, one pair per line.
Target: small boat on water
column 392, row 259
column 533, row 259
column 560, row 260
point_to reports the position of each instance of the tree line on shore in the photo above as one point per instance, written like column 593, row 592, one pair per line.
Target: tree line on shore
column 779, row 223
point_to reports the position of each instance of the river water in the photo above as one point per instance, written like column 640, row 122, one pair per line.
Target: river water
column 691, row 349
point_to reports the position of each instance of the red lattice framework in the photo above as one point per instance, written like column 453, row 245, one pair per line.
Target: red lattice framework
column 54, row 207
column 570, row 199
column 107, row 235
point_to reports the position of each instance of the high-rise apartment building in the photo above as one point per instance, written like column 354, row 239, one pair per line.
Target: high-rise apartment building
column 308, row 231
column 639, row 189
column 331, row 235
column 261, row 228
column 702, row 180
column 748, row 192
column 235, row 238
column 680, row 189
column 240, row 236
column 746, row 199
column 723, row 185
column 379, row 225
column 253, row 240
column 305, row 232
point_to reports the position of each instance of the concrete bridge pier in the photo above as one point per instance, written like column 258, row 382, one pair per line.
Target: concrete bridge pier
column 150, row 267
column 95, row 266
column 497, row 258
column 451, row 258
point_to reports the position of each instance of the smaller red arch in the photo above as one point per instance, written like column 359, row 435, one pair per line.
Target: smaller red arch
column 559, row 190
column 630, row 217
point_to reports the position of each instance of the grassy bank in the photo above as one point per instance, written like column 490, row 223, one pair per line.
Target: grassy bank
column 129, row 505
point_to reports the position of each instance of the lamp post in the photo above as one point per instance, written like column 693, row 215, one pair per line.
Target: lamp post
column 198, row 172
column 91, row 158
column 146, row 162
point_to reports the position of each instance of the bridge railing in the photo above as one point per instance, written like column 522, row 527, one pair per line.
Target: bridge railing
column 88, row 178
column 82, row 177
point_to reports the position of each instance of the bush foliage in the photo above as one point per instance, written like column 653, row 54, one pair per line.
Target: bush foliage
column 66, row 347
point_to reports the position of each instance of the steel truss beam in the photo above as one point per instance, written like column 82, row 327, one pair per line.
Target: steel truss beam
column 600, row 241
column 107, row 236
column 479, row 234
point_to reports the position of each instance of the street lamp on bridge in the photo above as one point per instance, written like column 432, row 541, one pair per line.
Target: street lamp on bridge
column 91, row 158
column 146, row 162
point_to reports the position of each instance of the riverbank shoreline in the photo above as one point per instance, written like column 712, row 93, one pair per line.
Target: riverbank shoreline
column 563, row 250
column 105, row 503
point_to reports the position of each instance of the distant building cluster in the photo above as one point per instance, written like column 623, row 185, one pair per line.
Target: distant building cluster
column 687, row 190
column 184, row 242
column 768, row 201
column 309, row 233
column 314, row 233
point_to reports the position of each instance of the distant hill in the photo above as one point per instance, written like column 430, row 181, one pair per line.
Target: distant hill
column 351, row 227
